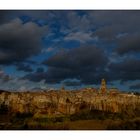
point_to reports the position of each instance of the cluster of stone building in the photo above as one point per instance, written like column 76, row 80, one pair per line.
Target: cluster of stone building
column 103, row 89
column 61, row 102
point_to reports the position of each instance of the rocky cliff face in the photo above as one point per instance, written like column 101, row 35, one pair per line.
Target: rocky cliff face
column 68, row 102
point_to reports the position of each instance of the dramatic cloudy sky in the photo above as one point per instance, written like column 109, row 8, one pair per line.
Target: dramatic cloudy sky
column 48, row 49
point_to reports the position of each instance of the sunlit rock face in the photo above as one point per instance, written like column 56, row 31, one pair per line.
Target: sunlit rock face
column 68, row 102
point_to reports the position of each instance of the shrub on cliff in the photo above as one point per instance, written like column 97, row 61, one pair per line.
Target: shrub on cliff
column 3, row 109
column 88, row 114
column 23, row 115
column 18, row 117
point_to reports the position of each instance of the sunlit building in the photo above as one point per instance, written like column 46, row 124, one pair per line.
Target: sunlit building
column 103, row 88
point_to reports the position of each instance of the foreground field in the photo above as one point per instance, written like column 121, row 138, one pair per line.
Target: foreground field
column 93, row 120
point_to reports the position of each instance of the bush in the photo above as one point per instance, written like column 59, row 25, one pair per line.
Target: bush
column 125, row 125
column 20, row 117
column 3, row 108
column 23, row 115
column 93, row 114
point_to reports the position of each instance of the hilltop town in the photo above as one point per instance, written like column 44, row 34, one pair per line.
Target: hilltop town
column 60, row 103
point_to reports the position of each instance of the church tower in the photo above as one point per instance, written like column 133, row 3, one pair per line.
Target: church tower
column 103, row 89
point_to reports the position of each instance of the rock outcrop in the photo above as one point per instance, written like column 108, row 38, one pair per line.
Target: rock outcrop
column 68, row 102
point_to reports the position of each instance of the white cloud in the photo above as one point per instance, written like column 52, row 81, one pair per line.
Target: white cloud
column 79, row 36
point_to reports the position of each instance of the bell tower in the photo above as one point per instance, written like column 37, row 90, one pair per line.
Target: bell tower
column 103, row 89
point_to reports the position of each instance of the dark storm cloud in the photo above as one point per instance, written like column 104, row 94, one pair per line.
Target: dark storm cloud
column 19, row 41
column 128, row 69
column 7, row 15
column 130, row 65
column 129, row 43
column 52, row 75
column 4, row 77
column 111, row 24
column 35, row 77
column 136, row 86
column 3, row 16
column 40, row 69
column 24, row 67
column 56, row 74
column 72, row 83
column 82, row 63
column 81, row 57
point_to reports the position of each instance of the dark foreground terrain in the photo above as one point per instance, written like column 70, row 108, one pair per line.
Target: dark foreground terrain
column 85, row 120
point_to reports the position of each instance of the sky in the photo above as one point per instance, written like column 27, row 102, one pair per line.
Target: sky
column 43, row 49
